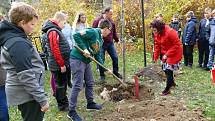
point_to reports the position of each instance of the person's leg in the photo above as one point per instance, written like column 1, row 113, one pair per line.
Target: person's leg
column 101, row 70
column 206, row 52
column 61, row 87
column 89, row 81
column 31, row 111
column 189, row 50
column 78, row 70
column 185, row 55
column 3, row 105
column 169, row 82
column 211, row 58
column 113, row 54
column 53, row 84
column 201, row 53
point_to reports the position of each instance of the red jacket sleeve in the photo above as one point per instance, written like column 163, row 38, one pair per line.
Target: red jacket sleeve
column 157, row 48
column 173, row 37
column 55, row 49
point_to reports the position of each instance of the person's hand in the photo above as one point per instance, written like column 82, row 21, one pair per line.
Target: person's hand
column 164, row 58
column 108, row 71
column 185, row 43
column 86, row 53
column 45, row 107
column 63, row 69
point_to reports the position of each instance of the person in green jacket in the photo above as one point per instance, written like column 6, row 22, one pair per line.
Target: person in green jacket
column 90, row 41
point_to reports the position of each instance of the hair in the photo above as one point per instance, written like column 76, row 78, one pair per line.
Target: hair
column 21, row 11
column 175, row 16
column 158, row 15
column 104, row 23
column 213, row 12
column 106, row 10
column 190, row 14
column 207, row 10
column 78, row 19
column 159, row 25
column 60, row 16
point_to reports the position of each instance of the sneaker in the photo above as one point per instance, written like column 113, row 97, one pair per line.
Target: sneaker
column 73, row 116
column 64, row 108
column 118, row 75
column 94, row 106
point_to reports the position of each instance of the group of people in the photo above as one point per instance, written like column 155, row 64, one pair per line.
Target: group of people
column 67, row 50
column 168, row 46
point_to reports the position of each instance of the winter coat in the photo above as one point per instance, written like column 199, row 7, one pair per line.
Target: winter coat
column 91, row 39
column 189, row 35
column 57, row 46
column 25, row 69
column 2, row 76
column 68, row 33
column 202, row 35
column 177, row 27
column 212, row 32
column 168, row 44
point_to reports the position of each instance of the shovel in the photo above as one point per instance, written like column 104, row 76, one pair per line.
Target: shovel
column 93, row 59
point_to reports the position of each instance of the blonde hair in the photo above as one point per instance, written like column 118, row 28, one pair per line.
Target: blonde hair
column 60, row 16
column 77, row 20
column 21, row 11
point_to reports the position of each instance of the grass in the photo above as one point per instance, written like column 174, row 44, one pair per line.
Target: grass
column 194, row 86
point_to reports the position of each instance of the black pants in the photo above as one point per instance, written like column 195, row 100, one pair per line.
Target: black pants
column 62, row 79
column 31, row 111
column 188, row 54
column 170, row 79
column 203, row 53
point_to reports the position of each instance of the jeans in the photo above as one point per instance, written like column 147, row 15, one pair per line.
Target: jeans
column 81, row 72
column 109, row 47
column 211, row 56
column 3, row 105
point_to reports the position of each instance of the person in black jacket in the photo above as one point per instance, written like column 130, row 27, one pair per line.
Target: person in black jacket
column 189, row 38
column 175, row 24
column 203, row 43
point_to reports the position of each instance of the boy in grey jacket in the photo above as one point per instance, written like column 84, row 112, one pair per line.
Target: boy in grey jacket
column 25, row 69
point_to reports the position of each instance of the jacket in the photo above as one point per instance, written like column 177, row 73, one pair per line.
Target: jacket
column 57, row 46
column 91, row 39
column 212, row 32
column 168, row 44
column 25, row 69
column 112, row 35
column 189, row 35
column 2, row 76
column 67, row 32
column 202, row 35
column 177, row 26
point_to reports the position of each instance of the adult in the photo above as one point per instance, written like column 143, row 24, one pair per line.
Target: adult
column 80, row 22
column 108, row 43
column 168, row 44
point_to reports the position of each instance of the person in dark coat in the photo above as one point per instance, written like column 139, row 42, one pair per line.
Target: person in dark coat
column 203, row 40
column 175, row 24
column 189, row 38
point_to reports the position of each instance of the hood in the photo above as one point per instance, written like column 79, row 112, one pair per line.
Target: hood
column 9, row 30
column 194, row 19
column 49, row 24
column 212, row 22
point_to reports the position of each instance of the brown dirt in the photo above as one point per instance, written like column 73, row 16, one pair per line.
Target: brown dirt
column 151, row 106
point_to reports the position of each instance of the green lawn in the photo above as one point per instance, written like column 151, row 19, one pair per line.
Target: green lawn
column 194, row 86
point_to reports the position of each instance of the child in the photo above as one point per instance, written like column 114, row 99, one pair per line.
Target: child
column 89, row 40
column 175, row 24
column 25, row 69
column 58, row 57
column 189, row 38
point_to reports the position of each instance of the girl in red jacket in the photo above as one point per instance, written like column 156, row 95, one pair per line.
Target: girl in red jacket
column 168, row 45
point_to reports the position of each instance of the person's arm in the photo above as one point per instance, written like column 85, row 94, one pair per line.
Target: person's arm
column 21, row 55
column 115, row 36
column 54, row 40
column 95, row 23
column 173, row 37
column 157, row 49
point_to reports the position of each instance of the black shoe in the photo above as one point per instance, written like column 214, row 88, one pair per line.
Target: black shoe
column 94, row 106
column 64, row 108
column 72, row 115
column 118, row 75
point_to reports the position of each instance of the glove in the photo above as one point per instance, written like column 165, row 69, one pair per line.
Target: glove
column 86, row 53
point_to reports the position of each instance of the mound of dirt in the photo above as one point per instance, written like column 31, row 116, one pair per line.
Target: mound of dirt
column 152, row 72
column 121, row 93
column 153, row 110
